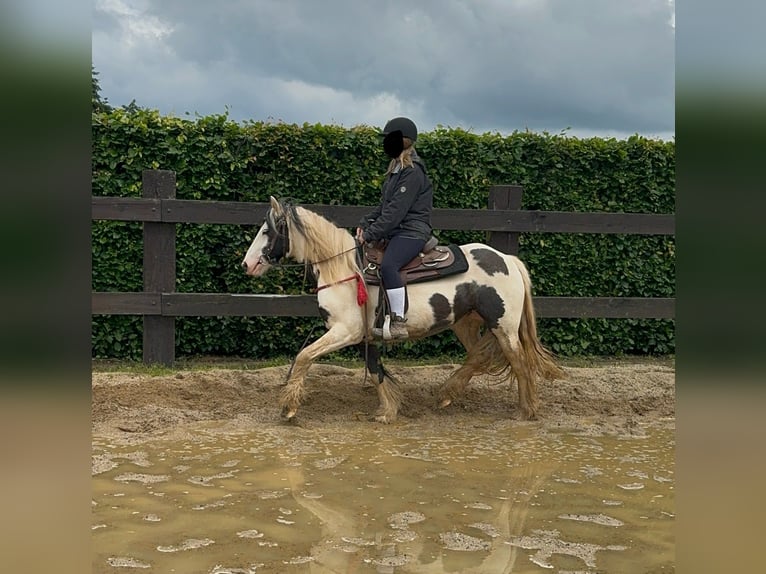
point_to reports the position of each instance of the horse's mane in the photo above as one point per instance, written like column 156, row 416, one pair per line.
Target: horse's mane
column 329, row 247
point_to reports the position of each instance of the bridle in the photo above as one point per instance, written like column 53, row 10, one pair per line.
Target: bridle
column 278, row 247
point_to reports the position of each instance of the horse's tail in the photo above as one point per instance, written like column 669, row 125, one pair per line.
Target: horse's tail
column 540, row 360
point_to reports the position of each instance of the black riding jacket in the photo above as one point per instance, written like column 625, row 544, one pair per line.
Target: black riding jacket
column 406, row 204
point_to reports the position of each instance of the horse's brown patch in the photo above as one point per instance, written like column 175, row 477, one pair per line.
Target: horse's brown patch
column 442, row 309
column 484, row 300
column 490, row 261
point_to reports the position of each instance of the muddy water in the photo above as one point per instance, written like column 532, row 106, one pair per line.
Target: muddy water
column 490, row 497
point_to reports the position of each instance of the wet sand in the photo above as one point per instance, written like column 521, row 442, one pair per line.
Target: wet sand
column 608, row 397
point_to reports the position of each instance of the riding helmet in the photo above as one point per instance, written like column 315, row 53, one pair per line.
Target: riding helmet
column 404, row 125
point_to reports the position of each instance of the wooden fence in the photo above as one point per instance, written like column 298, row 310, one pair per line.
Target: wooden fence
column 504, row 220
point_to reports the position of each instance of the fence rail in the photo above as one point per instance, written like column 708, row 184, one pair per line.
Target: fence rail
column 236, row 305
column 499, row 220
column 504, row 219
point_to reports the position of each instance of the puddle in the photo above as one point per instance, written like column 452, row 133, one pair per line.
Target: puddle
column 463, row 542
column 548, row 543
column 596, row 518
column 189, row 544
column 123, row 562
column 493, row 497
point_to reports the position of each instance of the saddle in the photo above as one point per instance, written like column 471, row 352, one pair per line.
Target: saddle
column 432, row 262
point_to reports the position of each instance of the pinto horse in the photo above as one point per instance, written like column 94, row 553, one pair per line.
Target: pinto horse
column 489, row 308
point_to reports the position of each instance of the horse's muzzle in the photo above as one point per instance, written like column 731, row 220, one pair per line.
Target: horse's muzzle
column 259, row 268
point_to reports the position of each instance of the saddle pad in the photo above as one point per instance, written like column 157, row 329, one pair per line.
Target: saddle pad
column 421, row 274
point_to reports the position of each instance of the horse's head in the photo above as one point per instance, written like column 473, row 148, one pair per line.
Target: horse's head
column 271, row 244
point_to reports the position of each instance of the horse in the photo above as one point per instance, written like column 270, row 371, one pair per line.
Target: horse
column 489, row 308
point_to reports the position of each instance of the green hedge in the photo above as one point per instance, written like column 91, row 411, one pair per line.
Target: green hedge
column 217, row 159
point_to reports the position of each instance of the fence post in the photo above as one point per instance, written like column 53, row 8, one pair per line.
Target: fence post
column 159, row 269
column 505, row 197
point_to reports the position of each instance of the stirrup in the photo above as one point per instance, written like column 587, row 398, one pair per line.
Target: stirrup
column 385, row 331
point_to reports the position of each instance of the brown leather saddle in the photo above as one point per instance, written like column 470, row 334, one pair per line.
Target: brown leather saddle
column 432, row 262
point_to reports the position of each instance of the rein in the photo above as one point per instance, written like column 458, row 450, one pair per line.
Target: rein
column 326, row 285
column 361, row 287
column 313, row 262
column 361, row 295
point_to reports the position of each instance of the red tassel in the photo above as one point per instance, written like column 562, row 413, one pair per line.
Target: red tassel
column 361, row 291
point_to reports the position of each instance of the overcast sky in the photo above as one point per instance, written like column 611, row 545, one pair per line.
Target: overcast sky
column 598, row 67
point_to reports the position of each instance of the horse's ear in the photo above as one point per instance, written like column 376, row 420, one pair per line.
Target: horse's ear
column 276, row 207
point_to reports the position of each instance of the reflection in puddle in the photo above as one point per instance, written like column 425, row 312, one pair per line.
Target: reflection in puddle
column 597, row 518
column 500, row 496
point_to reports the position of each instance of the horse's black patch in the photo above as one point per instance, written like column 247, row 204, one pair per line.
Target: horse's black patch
column 441, row 310
column 324, row 314
column 371, row 356
column 480, row 298
column 490, row 261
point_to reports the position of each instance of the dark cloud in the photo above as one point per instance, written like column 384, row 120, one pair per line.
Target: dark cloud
column 601, row 66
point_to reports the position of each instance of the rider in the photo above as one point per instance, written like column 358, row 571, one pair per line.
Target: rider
column 403, row 217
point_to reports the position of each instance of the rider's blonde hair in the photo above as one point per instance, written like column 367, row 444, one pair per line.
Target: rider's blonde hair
column 405, row 157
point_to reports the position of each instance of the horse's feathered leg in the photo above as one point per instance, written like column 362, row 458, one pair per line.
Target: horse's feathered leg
column 389, row 391
column 336, row 338
column 372, row 362
column 390, row 397
column 525, row 377
column 468, row 332
column 528, row 358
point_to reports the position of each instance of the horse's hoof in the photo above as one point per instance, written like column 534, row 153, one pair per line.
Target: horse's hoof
column 528, row 416
column 445, row 403
column 288, row 413
column 381, row 419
